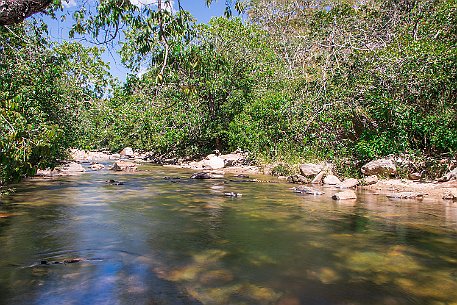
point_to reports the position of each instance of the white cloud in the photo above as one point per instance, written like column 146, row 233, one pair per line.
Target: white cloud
column 69, row 3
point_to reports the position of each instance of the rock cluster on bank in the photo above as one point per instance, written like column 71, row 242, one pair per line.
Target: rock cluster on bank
column 235, row 162
column 387, row 169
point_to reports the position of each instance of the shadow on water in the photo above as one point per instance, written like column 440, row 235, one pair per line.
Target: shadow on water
column 157, row 241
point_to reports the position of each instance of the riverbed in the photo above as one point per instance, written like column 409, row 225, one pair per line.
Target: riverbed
column 162, row 238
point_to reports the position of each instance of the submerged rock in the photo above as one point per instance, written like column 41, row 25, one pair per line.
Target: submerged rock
column 232, row 194
column 406, row 195
column 242, row 176
column 201, row 175
column 114, row 182
column 307, row 190
column 384, row 167
column 171, row 178
column 345, row 195
column 65, row 261
column 450, row 194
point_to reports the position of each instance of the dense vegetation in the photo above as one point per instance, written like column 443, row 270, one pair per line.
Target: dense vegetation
column 45, row 90
column 335, row 80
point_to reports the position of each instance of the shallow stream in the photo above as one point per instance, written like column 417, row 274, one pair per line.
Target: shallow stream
column 79, row 240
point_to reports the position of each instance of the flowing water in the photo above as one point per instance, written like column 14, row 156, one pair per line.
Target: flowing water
column 79, row 240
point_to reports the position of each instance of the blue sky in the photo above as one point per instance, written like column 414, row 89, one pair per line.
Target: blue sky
column 58, row 30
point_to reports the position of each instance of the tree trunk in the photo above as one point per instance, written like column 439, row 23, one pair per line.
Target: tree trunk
column 15, row 11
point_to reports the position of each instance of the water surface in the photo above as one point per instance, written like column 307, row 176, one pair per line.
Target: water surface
column 181, row 241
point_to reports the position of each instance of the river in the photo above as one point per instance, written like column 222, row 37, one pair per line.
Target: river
column 79, row 240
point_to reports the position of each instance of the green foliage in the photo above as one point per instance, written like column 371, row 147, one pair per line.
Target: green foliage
column 360, row 95
column 43, row 90
column 205, row 84
column 264, row 126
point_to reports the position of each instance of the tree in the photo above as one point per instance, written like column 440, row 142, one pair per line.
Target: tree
column 44, row 89
column 369, row 76
column 207, row 82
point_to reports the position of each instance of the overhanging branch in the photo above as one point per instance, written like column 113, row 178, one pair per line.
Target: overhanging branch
column 15, row 11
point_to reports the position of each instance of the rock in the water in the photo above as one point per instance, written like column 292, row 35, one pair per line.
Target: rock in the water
column 169, row 161
column 406, row 195
column 331, row 180
column 299, row 179
column 124, row 166
column 242, row 176
column 97, row 166
column 127, row 152
column 310, row 170
column 345, row 195
column 384, row 167
column 202, row 175
column 232, row 194
column 450, row 194
column 348, row 183
column 373, row 179
column 318, row 178
column 307, row 190
column 65, row 261
column 114, row 182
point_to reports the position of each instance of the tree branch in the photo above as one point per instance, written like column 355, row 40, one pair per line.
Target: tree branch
column 15, row 11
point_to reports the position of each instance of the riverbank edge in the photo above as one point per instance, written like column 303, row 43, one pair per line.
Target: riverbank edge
column 381, row 177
